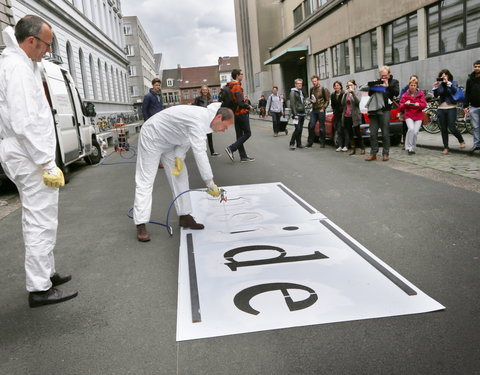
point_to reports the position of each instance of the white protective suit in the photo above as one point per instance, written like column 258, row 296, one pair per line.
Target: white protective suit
column 164, row 136
column 27, row 142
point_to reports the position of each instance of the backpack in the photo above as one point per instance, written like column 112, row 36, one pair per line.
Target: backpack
column 226, row 98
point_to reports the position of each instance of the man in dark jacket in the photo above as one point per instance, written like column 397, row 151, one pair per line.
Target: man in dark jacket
column 389, row 88
column 152, row 102
column 472, row 103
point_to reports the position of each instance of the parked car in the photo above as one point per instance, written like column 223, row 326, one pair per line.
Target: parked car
column 76, row 137
column 395, row 124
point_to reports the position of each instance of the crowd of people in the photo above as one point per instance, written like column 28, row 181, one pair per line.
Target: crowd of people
column 383, row 92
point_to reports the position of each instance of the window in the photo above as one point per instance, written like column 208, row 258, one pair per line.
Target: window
column 194, row 93
column 214, row 92
column 365, row 51
column 130, row 50
column 132, row 70
column 298, row 15
column 340, row 60
column 321, row 3
column 224, row 78
column 169, row 82
column 175, row 95
column 307, row 7
column 134, row 91
column 165, row 98
column 321, row 66
column 186, row 95
column 127, row 29
column 401, row 40
column 453, row 25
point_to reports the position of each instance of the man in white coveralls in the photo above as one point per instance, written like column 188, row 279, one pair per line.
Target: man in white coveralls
column 27, row 154
column 166, row 137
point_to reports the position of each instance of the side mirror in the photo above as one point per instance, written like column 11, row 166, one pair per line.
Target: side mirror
column 89, row 109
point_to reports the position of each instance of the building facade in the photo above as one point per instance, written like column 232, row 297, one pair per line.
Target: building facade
column 141, row 68
column 351, row 39
column 225, row 66
column 6, row 18
column 88, row 38
column 194, row 78
column 171, row 79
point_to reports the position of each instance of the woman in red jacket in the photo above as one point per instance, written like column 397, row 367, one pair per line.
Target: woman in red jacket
column 413, row 102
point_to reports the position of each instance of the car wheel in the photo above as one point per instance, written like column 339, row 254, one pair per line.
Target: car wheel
column 96, row 154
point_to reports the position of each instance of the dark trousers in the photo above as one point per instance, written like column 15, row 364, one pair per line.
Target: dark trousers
column 353, row 132
column 210, row 143
column 276, row 121
column 447, row 119
column 343, row 136
column 380, row 120
column 315, row 116
column 243, row 132
column 297, row 134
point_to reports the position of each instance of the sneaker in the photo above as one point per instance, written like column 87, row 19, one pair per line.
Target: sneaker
column 344, row 149
column 338, row 149
column 229, row 153
column 215, row 154
column 292, row 147
column 247, row 159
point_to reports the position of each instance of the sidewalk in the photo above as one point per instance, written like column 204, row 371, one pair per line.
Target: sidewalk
column 424, row 139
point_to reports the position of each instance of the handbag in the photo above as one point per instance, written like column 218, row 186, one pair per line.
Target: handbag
column 459, row 96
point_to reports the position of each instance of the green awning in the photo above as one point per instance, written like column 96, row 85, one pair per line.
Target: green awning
column 289, row 54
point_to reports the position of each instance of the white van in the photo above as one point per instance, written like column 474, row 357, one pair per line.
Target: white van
column 76, row 138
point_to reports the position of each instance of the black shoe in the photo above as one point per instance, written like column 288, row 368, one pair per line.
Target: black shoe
column 229, row 153
column 188, row 222
column 472, row 151
column 49, row 297
column 300, row 146
column 247, row 159
column 215, row 154
column 58, row 279
column 309, row 145
column 322, row 145
column 411, row 152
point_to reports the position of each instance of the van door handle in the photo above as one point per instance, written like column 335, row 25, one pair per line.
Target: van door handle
column 73, row 121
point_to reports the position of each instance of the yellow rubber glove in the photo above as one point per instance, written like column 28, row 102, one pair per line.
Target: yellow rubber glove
column 53, row 177
column 213, row 190
column 178, row 166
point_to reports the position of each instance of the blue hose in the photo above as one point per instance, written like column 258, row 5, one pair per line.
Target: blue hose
column 134, row 153
column 166, row 225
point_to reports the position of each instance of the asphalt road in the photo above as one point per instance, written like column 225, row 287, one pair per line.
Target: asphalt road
column 124, row 319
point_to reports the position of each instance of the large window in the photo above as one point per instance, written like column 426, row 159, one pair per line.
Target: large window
column 307, row 7
column 453, row 25
column 132, row 70
column 365, row 51
column 186, row 95
column 298, row 15
column 130, row 50
column 321, row 3
column 127, row 29
column 169, row 82
column 134, row 91
column 401, row 40
column 340, row 62
column 321, row 64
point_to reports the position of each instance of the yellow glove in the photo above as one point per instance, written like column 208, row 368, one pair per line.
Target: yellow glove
column 213, row 190
column 178, row 166
column 53, row 177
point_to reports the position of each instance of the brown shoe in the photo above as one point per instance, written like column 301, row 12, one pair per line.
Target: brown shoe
column 371, row 157
column 188, row 222
column 142, row 234
column 385, row 158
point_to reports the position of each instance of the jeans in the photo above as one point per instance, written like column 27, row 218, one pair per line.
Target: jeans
column 276, row 121
column 243, row 132
column 343, row 137
column 314, row 116
column 447, row 119
column 379, row 120
column 475, row 120
column 297, row 134
column 411, row 137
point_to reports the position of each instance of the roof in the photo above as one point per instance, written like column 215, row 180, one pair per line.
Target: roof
column 175, row 74
column 200, row 75
column 228, row 63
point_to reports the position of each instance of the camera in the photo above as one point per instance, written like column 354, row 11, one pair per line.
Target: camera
column 377, row 82
column 439, row 79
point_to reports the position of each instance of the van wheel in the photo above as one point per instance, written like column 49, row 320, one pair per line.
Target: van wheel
column 96, row 155
column 65, row 170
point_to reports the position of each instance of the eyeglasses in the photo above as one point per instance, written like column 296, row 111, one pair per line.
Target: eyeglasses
column 48, row 44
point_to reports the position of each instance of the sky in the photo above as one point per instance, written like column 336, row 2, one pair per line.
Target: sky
column 187, row 32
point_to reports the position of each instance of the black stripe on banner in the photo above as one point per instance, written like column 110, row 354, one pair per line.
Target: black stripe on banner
column 296, row 199
column 379, row 267
column 192, row 272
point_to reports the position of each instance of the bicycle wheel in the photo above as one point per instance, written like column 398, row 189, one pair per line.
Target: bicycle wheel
column 460, row 122
column 432, row 125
